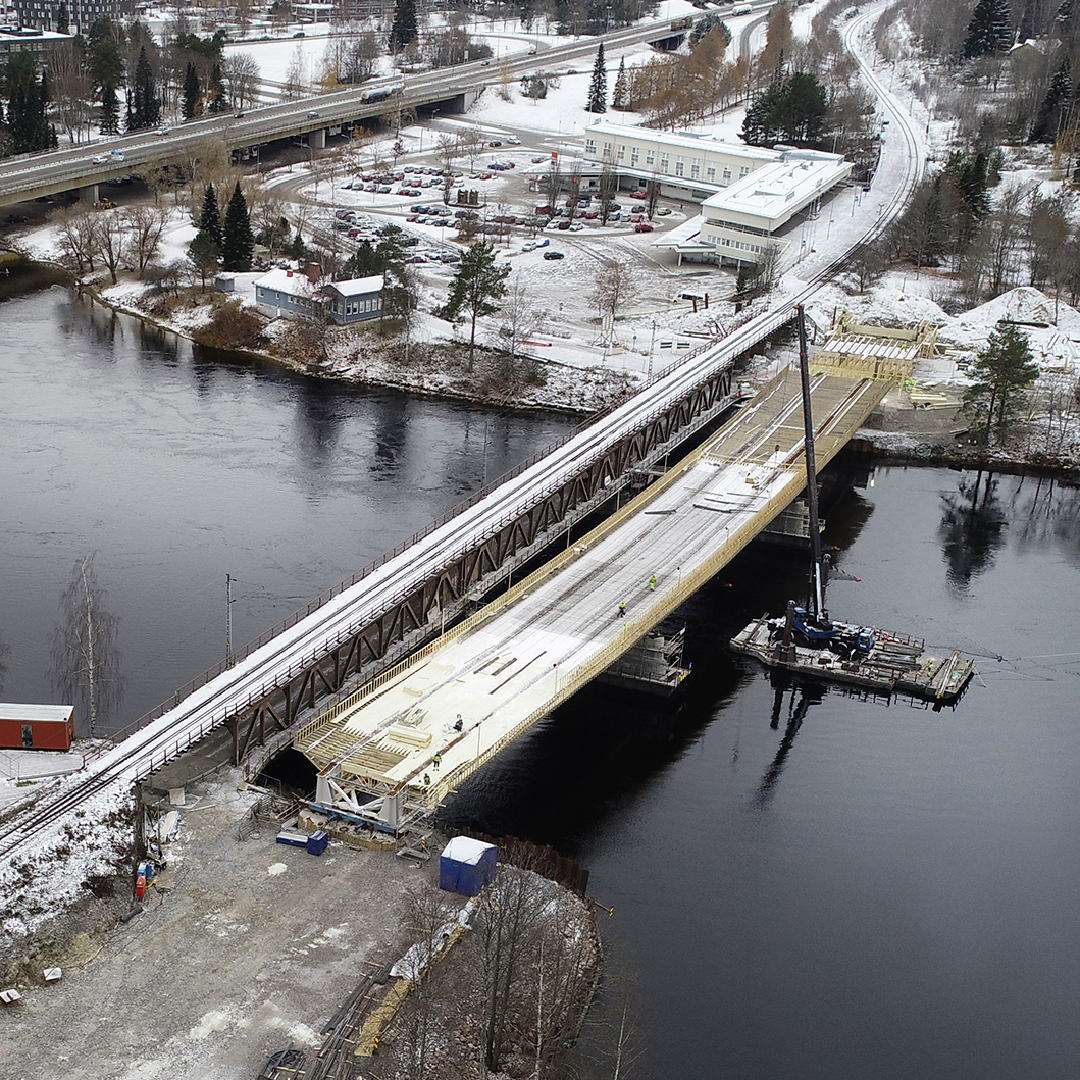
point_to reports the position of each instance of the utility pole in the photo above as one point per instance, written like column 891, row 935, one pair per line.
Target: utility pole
column 228, row 620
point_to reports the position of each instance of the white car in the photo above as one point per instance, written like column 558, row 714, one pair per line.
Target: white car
column 163, row 130
column 100, row 159
column 513, row 140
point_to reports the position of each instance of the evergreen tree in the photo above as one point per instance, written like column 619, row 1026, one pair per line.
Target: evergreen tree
column 404, row 30
column 218, row 101
column 621, row 92
column 999, row 374
column 478, row 282
column 28, row 98
column 210, row 219
column 145, row 106
column 598, row 85
column 129, row 111
column 238, row 241
column 1044, row 128
column 192, row 91
column 204, row 254
column 62, row 22
column 990, row 29
column 792, row 110
column 110, row 111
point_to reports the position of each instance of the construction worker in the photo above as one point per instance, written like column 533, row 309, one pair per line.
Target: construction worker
column 459, row 723
column 652, row 583
column 622, row 609
column 427, row 780
column 437, row 761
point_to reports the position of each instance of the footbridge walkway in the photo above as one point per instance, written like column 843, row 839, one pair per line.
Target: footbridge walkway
column 413, row 734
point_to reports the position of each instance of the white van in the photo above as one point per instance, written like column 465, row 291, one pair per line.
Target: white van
column 742, row 9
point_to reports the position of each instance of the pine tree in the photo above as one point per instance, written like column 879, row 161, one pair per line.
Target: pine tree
column 478, row 282
column 990, row 29
column 210, row 219
column 145, row 106
column 191, row 91
column 1045, row 126
column 598, row 85
column 621, row 92
column 110, row 111
column 405, row 30
column 999, row 374
column 238, row 241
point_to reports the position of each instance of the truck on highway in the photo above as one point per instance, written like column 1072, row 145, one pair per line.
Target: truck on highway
column 378, row 93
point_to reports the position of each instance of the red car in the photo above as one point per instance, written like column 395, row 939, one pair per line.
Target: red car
column 643, row 227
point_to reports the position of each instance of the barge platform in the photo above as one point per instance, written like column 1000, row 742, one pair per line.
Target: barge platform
column 885, row 663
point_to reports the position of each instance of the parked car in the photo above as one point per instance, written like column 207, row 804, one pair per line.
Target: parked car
column 563, row 225
column 554, row 255
column 494, row 142
column 537, row 158
column 664, row 210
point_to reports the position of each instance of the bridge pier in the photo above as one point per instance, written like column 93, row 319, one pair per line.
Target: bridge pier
column 317, row 139
column 89, row 194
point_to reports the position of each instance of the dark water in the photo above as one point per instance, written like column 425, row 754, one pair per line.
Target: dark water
column 177, row 468
column 809, row 885
column 817, row 886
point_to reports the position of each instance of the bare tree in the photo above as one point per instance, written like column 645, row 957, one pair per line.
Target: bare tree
column 79, row 236
column 147, row 226
column 1004, row 229
column 112, row 240
column 613, row 285
column 82, row 645
column 520, row 319
column 5, row 652
column 242, row 79
column 296, row 78
column 506, row 922
column 609, row 184
column 447, row 149
column 553, row 184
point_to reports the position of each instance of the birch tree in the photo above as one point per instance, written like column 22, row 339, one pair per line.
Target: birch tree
column 82, row 646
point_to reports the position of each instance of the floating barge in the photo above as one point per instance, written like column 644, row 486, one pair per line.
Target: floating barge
column 873, row 659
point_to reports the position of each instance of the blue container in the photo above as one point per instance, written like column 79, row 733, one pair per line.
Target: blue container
column 317, row 841
column 467, row 865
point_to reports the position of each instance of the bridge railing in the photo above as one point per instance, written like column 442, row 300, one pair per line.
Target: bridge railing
column 507, row 518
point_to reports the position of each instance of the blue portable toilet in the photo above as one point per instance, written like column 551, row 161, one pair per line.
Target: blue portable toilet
column 467, row 865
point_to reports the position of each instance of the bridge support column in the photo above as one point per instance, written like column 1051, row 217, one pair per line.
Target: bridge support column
column 89, row 194
column 317, row 139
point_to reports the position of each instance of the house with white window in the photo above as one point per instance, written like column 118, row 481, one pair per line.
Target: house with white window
column 301, row 294
column 686, row 165
column 354, row 300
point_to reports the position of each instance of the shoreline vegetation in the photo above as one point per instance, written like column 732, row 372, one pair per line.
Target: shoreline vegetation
column 439, row 372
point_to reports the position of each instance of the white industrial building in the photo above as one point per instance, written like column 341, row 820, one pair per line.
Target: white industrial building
column 687, row 166
column 738, row 224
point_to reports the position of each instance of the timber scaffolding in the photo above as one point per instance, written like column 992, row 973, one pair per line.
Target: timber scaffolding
column 875, row 352
column 407, row 738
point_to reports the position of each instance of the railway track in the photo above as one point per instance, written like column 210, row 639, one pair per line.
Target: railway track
column 161, row 739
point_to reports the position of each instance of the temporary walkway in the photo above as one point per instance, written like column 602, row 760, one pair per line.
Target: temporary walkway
column 410, row 736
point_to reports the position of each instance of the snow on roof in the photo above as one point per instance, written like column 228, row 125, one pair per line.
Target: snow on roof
column 464, row 849
column 358, row 286
column 287, row 281
column 780, row 189
column 26, row 714
column 684, row 139
column 683, row 233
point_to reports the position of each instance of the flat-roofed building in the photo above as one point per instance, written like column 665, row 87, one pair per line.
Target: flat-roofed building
column 736, row 226
column 687, row 166
column 36, row 727
column 39, row 43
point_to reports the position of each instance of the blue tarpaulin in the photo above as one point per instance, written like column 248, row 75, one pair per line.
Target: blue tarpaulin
column 467, row 865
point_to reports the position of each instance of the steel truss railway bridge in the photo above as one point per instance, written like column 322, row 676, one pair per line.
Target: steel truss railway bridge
column 404, row 600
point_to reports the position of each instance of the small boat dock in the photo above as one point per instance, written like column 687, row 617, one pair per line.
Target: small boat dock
column 874, row 659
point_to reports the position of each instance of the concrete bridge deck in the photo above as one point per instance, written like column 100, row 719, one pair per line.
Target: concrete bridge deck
column 511, row 664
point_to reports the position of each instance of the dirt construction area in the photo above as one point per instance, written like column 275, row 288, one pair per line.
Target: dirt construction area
column 243, row 948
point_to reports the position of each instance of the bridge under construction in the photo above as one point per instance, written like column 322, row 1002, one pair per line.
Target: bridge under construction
column 407, row 738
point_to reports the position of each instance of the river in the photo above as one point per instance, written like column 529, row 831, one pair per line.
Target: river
column 806, row 884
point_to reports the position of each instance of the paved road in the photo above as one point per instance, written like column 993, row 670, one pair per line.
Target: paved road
column 62, row 170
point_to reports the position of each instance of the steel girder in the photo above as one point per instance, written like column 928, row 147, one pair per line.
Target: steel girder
column 423, row 614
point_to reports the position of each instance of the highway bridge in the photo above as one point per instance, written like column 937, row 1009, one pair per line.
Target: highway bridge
column 403, row 600
column 397, row 746
column 453, row 89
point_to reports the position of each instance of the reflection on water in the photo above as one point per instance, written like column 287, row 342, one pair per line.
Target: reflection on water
column 179, row 464
column 972, row 526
